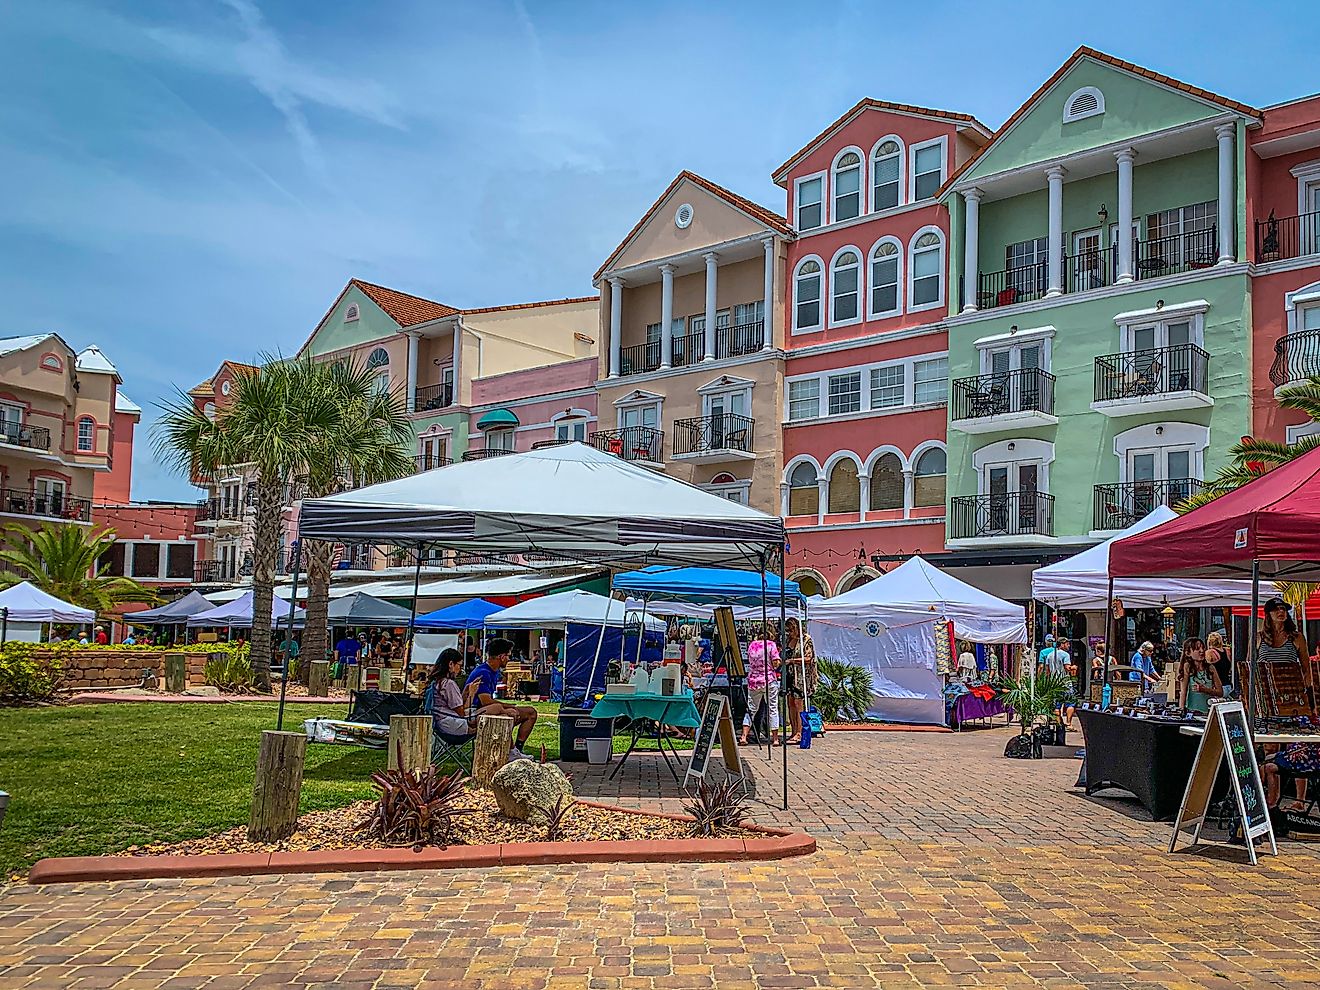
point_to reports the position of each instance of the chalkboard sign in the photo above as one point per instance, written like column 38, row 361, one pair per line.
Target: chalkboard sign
column 710, row 724
column 1227, row 740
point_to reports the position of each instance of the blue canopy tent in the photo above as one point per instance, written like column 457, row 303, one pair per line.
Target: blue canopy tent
column 470, row 614
column 708, row 585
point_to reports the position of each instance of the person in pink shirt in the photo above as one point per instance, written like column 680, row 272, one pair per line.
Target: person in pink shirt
column 762, row 682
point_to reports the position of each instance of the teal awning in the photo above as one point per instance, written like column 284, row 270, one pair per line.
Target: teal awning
column 497, row 419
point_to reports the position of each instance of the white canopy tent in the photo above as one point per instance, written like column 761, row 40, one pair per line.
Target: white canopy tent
column 892, row 625
column 570, row 501
column 557, row 611
column 1082, row 581
column 26, row 602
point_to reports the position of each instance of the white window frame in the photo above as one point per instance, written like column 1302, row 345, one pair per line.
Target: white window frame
column 1195, row 330
column 938, row 303
column 863, row 385
column 1024, row 451
column 820, row 295
column 910, row 475
column 822, row 385
column 571, row 419
column 871, row 312
column 78, row 435
column 352, row 312
column 920, row 361
column 788, row 399
column 861, row 286
column 1014, row 349
column 902, row 174
column 823, row 176
column 861, row 185
column 1298, row 301
column 723, row 489
column 827, row 469
column 789, row 469
column 1162, row 437
column 501, row 433
column 905, row 470
column 638, row 404
column 726, row 394
column 871, row 386
column 943, row 144
column 1069, row 116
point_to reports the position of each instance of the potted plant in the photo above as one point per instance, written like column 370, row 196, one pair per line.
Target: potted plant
column 1032, row 699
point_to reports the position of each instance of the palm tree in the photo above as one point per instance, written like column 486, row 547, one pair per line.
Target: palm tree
column 370, row 440
column 64, row 560
column 269, row 427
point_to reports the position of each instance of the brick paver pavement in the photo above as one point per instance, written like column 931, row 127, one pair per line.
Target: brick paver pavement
column 1054, row 891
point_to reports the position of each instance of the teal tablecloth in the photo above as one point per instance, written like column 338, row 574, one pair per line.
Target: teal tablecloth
column 673, row 709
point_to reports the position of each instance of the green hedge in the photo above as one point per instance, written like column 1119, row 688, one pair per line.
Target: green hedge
column 29, row 673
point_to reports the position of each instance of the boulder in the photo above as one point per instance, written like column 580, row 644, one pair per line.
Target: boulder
column 527, row 790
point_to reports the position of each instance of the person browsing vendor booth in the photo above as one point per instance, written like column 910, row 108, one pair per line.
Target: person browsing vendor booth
column 480, row 689
column 1145, row 666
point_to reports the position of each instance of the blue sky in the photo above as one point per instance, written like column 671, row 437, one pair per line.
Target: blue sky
column 191, row 180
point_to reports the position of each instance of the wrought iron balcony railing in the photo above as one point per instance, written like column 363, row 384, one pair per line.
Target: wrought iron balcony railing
column 1118, row 506
column 1296, row 357
column 632, row 443
column 1177, row 253
column 711, row 434
column 1025, row 390
column 742, row 338
column 639, row 358
column 429, row 462
column 214, row 571
column 480, row 453
column 1008, row 514
column 24, row 435
column 1279, row 238
column 47, row 505
column 1155, row 371
column 1012, row 285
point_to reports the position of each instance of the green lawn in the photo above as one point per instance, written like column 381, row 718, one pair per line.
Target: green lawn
column 93, row 779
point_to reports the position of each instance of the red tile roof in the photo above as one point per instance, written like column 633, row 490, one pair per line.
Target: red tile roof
column 753, row 210
column 1118, row 63
column 532, row 305
column 779, row 174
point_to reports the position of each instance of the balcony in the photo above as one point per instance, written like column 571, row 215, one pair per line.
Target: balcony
column 1012, row 285
column 1090, row 269
column 1160, row 379
column 1119, row 506
column 1004, row 401
column 743, row 338
column 1178, row 253
column 1278, row 239
column 640, row 358
column 429, row 462
column 66, row 508
column 1010, row 518
column 484, row 452
column 1296, row 358
column 24, row 435
column 689, row 349
column 641, row 444
column 214, row 571
column 713, row 439
column 216, row 510
column 428, row 397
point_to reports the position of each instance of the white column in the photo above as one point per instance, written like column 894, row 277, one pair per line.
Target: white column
column 1054, row 174
column 971, row 248
column 411, row 398
column 458, row 361
column 783, row 499
column 1225, row 133
column 822, row 498
column 666, row 315
column 616, row 326
column 864, row 483
column 1125, row 157
column 907, row 493
column 712, row 284
column 769, row 294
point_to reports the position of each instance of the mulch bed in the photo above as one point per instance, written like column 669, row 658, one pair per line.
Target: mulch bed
column 339, row 828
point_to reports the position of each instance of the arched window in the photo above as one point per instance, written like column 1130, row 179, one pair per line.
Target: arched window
column 928, row 478
column 208, row 410
column 803, row 491
column 845, row 487
column 927, row 270
column 809, row 585
column 886, row 175
column 845, row 288
column 378, row 358
column 806, row 295
column 848, row 186
column 886, row 483
column 858, row 579
column 86, row 434
column 884, row 279
column 723, row 478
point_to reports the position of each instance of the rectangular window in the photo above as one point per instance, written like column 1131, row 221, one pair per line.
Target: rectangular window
column 926, row 276
column 113, row 560
column 1024, row 254
column 884, row 280
column 146, row 560
column 930, row 380
column 804, row 399
column 499, row 439
column 744, row 313
column 885, row 187
column 86, row 435
column 571, row 429
column 809, row 203
column 927, row 170
column 887, row 386
column 845, row 393
column 179, row 560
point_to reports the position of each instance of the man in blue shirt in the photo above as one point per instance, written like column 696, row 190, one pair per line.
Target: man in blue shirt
column 347, row 649
column 479, row 694
column 1145, row 671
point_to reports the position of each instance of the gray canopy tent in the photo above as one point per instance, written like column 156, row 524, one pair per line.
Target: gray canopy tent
column 360, row 609
column 570, row 501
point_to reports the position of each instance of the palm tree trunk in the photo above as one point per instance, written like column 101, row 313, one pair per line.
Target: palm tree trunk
column 265, row 550
column 316, row 637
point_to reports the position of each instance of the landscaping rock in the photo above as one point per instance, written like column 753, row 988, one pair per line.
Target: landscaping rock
column 203, row 691
column 526, row 790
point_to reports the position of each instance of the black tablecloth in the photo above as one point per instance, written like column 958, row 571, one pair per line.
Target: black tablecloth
column 1148, row 757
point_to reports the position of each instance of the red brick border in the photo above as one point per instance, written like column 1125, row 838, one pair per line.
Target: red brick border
column 776, row 844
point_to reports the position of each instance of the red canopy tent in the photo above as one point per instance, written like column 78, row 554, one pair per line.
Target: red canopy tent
column 1269, row 526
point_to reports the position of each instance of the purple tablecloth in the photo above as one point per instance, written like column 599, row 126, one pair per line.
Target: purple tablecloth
column 969, row 706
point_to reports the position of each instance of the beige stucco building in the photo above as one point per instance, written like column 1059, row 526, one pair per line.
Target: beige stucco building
column 691, row 333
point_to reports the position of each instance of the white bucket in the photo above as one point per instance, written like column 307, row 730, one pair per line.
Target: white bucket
column 599, row 751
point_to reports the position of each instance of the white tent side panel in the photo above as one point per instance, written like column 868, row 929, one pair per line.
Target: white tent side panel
column 899, row 654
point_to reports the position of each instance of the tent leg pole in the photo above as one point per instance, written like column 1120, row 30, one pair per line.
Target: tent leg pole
column 783, row 693
column 595, row 662
column 1109, row 638
column 765, row 660
column 293, row 603
column 412, row 618
column 1252, row 645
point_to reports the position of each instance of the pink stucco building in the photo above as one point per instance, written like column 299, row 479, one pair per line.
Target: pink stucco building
column 524, row 408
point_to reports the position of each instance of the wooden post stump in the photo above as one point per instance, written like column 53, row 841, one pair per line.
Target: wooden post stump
column 353, row 677
column 410, row 742
column 318, row 679
column 491, row 750
column 176, row 673
column 277, row 787
column 386, row 680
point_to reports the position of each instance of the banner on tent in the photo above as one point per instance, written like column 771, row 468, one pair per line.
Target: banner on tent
column 901, row 660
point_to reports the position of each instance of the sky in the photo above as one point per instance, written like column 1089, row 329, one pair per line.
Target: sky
column 187, row 181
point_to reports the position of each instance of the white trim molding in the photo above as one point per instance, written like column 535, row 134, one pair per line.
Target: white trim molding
column 1176, row 311
column 1156, row 436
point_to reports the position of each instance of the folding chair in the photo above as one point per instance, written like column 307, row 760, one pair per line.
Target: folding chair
column 446, row 748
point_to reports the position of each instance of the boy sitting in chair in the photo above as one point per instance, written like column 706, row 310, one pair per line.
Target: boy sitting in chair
column 480, row 694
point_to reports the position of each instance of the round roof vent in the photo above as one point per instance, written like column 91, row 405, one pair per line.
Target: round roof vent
column 683, row 216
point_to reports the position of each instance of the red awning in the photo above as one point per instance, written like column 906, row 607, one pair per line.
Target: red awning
column 1274, row 519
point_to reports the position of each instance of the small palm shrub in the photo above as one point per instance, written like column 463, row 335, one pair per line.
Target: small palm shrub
column 717, row 807
column 230, row 671
column 414, row 808
column 843, row 691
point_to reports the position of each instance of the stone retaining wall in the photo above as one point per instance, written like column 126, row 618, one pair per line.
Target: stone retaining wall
column 106, row 667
